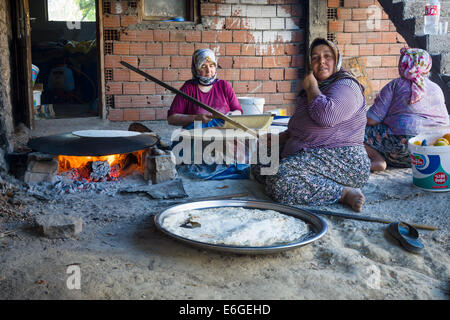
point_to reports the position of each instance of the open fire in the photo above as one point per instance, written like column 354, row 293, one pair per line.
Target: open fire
column 102, row 168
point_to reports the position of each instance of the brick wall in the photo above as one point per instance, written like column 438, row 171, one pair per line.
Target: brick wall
column 361, row 28
column 259, row 44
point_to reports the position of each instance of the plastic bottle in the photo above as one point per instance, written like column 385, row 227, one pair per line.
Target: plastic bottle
column 431, row 17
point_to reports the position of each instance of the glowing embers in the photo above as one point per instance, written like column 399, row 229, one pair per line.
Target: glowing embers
column 102, row 168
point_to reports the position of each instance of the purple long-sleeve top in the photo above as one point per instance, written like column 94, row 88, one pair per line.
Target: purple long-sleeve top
column 392, row 108
column 335, row 118
column 221, row 97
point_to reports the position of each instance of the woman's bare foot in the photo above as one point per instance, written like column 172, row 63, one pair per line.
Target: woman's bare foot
column 353, row 197
column 377, row 162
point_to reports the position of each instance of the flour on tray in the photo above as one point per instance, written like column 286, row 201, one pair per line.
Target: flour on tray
column 236, row 226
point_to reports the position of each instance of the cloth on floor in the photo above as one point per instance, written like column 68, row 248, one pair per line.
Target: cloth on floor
column 215, row 171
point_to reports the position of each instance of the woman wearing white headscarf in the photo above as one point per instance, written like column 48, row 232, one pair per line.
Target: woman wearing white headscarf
column 205, row 87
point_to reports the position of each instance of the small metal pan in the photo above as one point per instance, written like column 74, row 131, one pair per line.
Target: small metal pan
column 317, row 225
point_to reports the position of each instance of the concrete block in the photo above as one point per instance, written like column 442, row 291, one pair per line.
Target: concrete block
column 163, row 176
column 57, row 226
column 36, row 177
column 48, row 167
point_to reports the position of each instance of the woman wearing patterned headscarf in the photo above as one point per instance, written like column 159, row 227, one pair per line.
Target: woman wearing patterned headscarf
column 403, row 106
column 323, row 159
column 205, row 87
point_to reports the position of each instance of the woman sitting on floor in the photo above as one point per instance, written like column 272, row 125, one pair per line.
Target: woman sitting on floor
column 206, row 88
column 402, row 108
column 323, row 160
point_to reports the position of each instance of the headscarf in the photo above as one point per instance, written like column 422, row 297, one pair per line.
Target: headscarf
column 199, row 57
column 414, row 65
column 338, row 74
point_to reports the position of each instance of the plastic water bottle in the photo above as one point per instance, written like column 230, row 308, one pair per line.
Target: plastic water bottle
column 431, row 17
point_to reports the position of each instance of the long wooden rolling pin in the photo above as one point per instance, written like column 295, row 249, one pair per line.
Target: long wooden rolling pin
column 216, row 113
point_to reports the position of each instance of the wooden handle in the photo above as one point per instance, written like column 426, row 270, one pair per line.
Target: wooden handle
column 216, row 113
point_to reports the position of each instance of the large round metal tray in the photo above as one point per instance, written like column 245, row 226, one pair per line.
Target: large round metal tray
column 317, row 225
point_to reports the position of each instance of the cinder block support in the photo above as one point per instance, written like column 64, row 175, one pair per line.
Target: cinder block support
column 317, row 22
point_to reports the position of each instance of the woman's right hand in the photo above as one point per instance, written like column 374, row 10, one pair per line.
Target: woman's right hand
column 204, row 117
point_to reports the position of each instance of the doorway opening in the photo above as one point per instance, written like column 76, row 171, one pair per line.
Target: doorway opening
column 64, row 58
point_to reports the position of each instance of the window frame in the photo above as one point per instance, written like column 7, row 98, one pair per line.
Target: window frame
column 191, row 14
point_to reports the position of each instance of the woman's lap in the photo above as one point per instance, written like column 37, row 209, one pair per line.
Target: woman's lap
column 318, row 176
column 394, row 148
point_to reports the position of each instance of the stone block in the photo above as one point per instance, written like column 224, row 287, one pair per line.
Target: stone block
column 48, row 167
column 35, row 177
column 57, row 226
column 163, row 176
column 164, row 162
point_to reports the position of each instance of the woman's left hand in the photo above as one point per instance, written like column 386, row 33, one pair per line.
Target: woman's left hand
column 309, row 81
column 235, row 112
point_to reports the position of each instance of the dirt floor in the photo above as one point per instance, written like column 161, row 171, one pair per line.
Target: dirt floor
column 121, row 255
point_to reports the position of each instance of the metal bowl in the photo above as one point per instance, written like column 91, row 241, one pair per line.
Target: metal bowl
column 318, row 227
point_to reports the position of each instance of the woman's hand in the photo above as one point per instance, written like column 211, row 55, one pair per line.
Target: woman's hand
column 309, row 82
column 204, row 117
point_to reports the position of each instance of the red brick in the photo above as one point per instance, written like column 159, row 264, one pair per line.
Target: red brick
column 147, row 88
column 380, row 73
column 186, row 49
column 333, row 3
column 373, row 61
column 209, row 36
column 119, row 7
column 389, row 37
column 298, row 61
column 226, row 62
column 126, row 21
column 121, row 48
column 177, row 36
column 115, row 115
column 392, row 73
column 380, row 49
column 154, row 48
column 162, row 61
column 344, row 14
column 208, row 9
column 284, row 61
column 240, row 87
column 366, row 49
column 146, row 62
column 291, row 48
column 113, row 88
column 248, row 49
column 231, row 74
column 374, row 37
column 111, row 21
column 233, row 49
column 291, row 74
column 335, row 25
column 359, row 14
column 269, row 86
column 358, row 38
column 255, row 87
column 351, row 26
column 248, row 74
column 284, row 86
column 193, row 36
column 276, row 74
column 128, row 35
column 366, row 3
column 351, row 50
column 232, row 23
column 130, row 88
column 240, row 36
column 180, row 62
column 170, row 75
column 144, row 35
column 161, row 113
column 395, row 48
column 122, row 101
column 262, row 74
column 147, row 114
column 131, row 114
column 343, row 38
column 225, row 36
column 160, row 35
column 121, row 75
column 269, row 62
column 219, row 49
column 136, row 77
column 170, row 48
column 131, row 60
column 389, row 61
column 112, row 61
column 351, row 3
column 137, row 48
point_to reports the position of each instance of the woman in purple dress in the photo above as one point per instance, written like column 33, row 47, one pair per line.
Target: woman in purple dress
column 402, row 108
column 323, row 160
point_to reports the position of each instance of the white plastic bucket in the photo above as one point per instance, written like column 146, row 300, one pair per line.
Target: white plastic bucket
column 430, row 164
column 34, row 73
column 36, row 98
column 252, row 105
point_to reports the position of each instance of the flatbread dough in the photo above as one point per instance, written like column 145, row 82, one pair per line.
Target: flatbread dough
column 236, row 226
column 105, row 133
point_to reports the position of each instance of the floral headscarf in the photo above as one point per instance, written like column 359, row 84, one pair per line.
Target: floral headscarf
column 199, row 57
column 414, row 64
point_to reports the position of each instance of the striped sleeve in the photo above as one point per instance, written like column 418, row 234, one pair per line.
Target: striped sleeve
column 336, row 104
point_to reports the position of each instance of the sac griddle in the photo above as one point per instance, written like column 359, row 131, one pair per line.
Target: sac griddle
column 69, row 144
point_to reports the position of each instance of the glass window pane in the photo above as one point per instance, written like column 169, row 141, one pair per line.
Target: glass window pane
column 165, row 8
column 71, row 10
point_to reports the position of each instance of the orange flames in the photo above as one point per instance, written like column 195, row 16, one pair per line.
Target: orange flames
column 120, row 164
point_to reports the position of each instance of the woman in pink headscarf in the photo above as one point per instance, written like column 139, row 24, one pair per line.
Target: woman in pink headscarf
column 403, row 106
